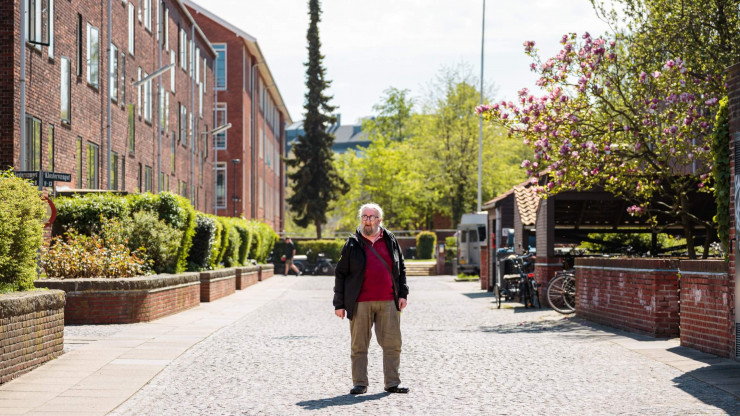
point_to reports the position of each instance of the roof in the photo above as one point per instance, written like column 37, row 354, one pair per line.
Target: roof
column 187, row 14
column 527, row 202
column 254, row 48
column 495, row 201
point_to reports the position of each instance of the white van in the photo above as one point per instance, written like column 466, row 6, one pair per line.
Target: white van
column 471, row 235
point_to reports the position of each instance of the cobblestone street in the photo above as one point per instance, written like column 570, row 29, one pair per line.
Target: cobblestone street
column 460, row 356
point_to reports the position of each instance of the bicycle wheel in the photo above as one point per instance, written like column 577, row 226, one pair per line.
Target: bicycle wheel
column 557, row 291
column 497, row 294
column 569, row 291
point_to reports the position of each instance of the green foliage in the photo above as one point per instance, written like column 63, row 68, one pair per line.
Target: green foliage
column 203, row 242
column 721, row 173
column 631, row 243
column 246, row 240
column 331, row 248
column 425, row 243
column 312, row 175
column 225, row 232
column 84, row 213
column 394, row 119
column 160, row 241
column 450, row 250
column 75, row 256
column 216, row 252
column 231, row 257
column 21, row 224
column 264, row 240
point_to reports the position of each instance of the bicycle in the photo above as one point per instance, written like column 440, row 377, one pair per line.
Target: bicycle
column 521, row 284
column 561, row 292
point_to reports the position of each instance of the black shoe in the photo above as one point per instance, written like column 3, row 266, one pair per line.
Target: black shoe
column 397, row 389
column 358, row 390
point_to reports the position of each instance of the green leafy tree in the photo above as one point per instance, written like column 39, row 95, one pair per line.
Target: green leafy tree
column 394, row 119
column 314, row 180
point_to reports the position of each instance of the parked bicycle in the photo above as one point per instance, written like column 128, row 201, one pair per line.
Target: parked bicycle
column 561, row 292
column 520, row 285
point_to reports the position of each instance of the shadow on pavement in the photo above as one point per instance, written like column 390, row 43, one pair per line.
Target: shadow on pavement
column 564, row 326
column 341, row 400
column 477, row 295
column 722, row 373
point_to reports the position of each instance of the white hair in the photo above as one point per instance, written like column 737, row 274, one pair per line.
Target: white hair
column 370, row 205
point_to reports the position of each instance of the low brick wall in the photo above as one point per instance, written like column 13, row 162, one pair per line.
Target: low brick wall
column 31, row 330
column 266, row 271
column 707, row 307
column 246, row 276
column 638, row 295
column 484, row 268
column 544, row 271
column 126, row 300
column 215, row 284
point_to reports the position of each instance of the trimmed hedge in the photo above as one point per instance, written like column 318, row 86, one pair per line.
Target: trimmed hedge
column 21, row 226
column 85, row 213
column 425, row 243
column 450, row 250
column 332, row 249
column 204, row 239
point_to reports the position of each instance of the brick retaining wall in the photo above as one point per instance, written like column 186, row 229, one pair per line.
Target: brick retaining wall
column 638, row 295
column 266, row 271
column 544, row 271
column 31, row 330
column 707, row 307
column 126, row 300
column 246, row 276
column 215, row 284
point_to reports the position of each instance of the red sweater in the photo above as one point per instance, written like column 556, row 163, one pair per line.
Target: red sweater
column 377, row 285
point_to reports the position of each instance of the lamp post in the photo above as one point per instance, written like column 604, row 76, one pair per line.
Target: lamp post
column 234, row 198
column 480, row 117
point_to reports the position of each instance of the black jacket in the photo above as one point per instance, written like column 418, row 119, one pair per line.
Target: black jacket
column 350, row 272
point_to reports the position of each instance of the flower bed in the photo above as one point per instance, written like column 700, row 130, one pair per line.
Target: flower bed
column 126, row 300
column 31, row 330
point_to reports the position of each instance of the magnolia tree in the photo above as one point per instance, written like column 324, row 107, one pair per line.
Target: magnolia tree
column 641, row 136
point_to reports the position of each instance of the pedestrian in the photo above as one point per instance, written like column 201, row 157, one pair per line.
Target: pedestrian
column 289, row 254
column 370, row 289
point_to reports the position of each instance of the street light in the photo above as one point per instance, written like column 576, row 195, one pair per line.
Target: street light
column 153, row 75
column 480, row 117
column 234, row 198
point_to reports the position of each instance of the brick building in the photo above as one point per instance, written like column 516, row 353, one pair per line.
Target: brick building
column 109, row 132
column 248, row 98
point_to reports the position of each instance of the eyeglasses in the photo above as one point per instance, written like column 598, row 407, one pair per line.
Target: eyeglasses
column 369, row 217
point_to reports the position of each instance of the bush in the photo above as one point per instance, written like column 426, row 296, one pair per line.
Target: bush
column 85, row 213
column 450, row 250
column 265, row 239
column 425, row 243
column 231, row 257
column 79, row 256
column 225, row 231
column 245, row 236
column 161, row 242
column 332, row 249
column 21, row 214
column 214, row 261
column 203, row 241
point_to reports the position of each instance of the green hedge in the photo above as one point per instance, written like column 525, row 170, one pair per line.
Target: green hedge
column 84, row 213
column 425, row 243
column 332, row 249
column 203, row 241
column 450, row 249
column 21, row 226
column 231, row 256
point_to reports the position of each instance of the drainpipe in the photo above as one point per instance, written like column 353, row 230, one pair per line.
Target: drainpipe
column 191, row 71
column 110, row 91
column 23, row 85
column 159, row 95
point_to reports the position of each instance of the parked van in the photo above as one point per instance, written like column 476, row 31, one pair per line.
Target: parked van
column 471, row 235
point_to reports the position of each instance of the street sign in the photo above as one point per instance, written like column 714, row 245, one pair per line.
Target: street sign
column 55, row 176
column 27, row 174
column 48, row 177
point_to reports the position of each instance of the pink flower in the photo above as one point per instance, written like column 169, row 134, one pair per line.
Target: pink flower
column 656, row 74
column 669, row 64
column 528, row 45
column 712, row 101
column 526, row 163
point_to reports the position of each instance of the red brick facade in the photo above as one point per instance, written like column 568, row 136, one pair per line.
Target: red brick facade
column 246, row 276
column 256, row 111
column 485, row 266
column 31, row 331
column 216, row 284
column 638, row 295
column 266, row 271
column 88, row 126
column 733, row 93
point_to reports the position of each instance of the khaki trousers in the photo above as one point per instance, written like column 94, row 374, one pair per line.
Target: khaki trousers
column 387, row 321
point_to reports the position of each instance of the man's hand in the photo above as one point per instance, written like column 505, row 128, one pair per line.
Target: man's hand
column 339, row 313
column 401, row 303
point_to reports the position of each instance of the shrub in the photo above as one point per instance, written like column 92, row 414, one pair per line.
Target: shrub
column 160, row 241
column 450, row 250
column 246, row 240
column 425, row 243
column 203, row 242
column 21, row 227
column 225, row 231
column 231, row 258
column 332, row 249
column 214, row 261
column 76, row 255
column 264, row 241
column 85, row 213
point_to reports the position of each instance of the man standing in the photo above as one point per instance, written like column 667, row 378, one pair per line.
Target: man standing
column 370, row 289
column 289, row 254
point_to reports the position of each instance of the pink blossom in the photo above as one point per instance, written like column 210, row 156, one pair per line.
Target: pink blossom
column 669, row 64
column 656, row 74
column 712, row 101
column 643, row 76
column 528, row 45
column 526, row 163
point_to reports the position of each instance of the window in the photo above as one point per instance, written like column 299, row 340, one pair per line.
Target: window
column 79, row 163
column 172, row 72
column 181, row 124
column 165, row 182
column 138, row 93
column 200, row 100
column 472, row 236
column 166, row 27
column 123, row 173
column 79, row 46
column 183, row 46
column 131, row 129
column 92, row 165
column 220, row 115
column 147, row 87
column 141, row 177
column 114, row 73
column 205, row 71
column 190, row 128
column 196, row 62
column 114, row 170
column 51, row 29
column 147, row 14
column 148, row 179
column 162, row 111
column 191, row 52
column 221, row 185
column 220, row 65
column 64, row 91
column 131, row 27
column 173, row 148
column 166, row 110
column 159, row 19
column 50, row 147
column 33, row 144
column 183, row 191
column 35, row 22
column 123, row 79
column 93, row 55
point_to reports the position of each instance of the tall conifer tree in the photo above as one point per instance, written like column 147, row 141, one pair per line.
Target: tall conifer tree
column 313, row 177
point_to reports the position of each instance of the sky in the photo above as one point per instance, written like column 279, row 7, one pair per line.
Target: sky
column 371, row 45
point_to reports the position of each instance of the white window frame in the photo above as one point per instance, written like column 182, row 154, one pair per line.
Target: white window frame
column 113, row 76
column 148, row 14
column 221, row 171
column 93, row 65
column 217, row 47
column 131, row 28
column 166, row 28
column 138, row 94
column 64, row 90
column 147, row 99
column 51, row 29
column 220, row 108
column 172, row 71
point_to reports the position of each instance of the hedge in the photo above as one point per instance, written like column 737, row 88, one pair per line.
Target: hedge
column 84, row 213
column 332, row 249
column 425, row 243
column 203, row 241
column 21, row 226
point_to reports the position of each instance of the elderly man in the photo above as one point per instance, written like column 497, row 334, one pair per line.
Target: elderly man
column 370, row 289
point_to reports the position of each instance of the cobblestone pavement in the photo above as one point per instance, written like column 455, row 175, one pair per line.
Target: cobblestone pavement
column 460, row 356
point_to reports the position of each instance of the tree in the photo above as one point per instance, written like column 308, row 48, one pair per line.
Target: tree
column 313, row 177
column 642, row 136
column 394, row 121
